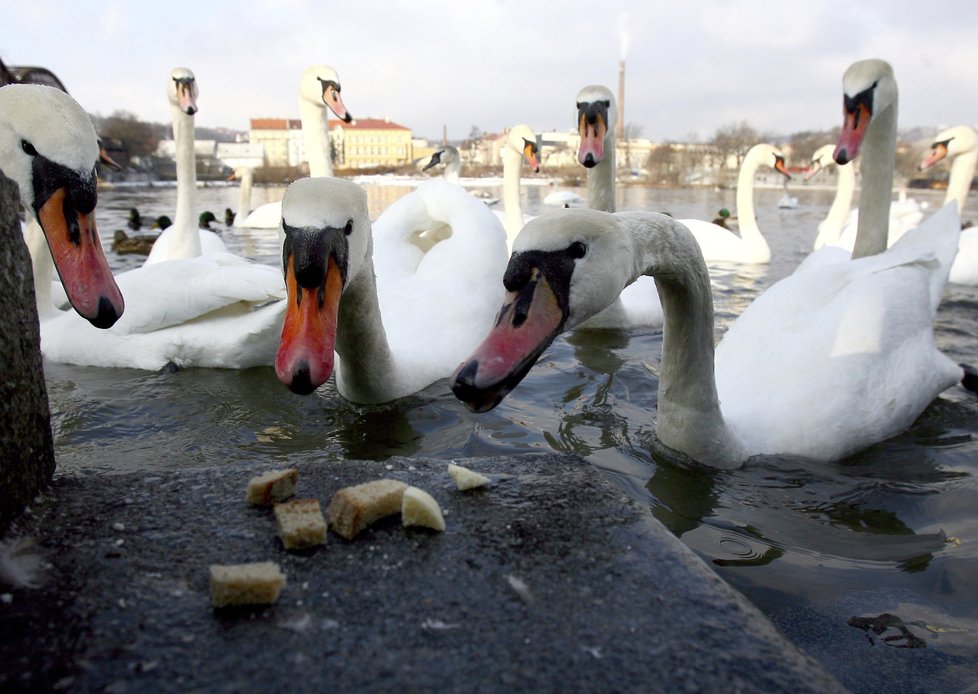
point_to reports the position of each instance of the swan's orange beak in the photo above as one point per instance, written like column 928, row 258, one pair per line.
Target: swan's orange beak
column 305, row 353
column 854, row 125
column 938, row 151
column 530, row 153
column 332, row 98
column 528, row 322
column 80, row 260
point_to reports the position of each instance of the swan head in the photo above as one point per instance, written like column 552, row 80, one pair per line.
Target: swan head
column 950, row 143
column 522, row 140
column 327, row 241
column 764, row 154
column 597, row 114
column 181, row 89
column 320, row 85
column 566, row 266
column 48, row 148
column 447, row 156
column 821, row 158
column 869, row 88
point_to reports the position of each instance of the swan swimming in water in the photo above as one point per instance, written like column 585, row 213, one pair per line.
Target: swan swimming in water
column 319, row 93
column 184, row 239
column 399, row 314
column 826, row 362
column 521, row 144
column 48, row 147
column 960, row 146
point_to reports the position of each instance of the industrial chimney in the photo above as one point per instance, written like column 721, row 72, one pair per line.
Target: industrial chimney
column 620, row 126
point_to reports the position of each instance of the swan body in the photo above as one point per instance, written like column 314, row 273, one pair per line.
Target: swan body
column 402, row 303
column 217, row 310
column 319, row 93
column 521, row 143
column 48, row 147
column 564, row 198
column 829, row 360
column 960, row 146
column 184, row 239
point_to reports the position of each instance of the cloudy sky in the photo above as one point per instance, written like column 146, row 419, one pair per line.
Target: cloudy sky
column 691, row 67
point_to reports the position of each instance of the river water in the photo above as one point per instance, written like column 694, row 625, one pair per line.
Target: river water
column 821, row 549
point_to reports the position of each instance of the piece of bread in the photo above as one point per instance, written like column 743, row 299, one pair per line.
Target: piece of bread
column 466, row 479
column 418, row 507
column 300, row 523
column 246, row 584
column 272, row 486
column 354, row 508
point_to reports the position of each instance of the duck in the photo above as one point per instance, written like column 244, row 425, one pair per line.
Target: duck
column 184, row 239
column 520, row 145
column 319, row 93
column 392, row 312
column 448, row 158
column 134, row 220
column 48, row 147
column 959, row 145
column 123, row 244
column 826, row 362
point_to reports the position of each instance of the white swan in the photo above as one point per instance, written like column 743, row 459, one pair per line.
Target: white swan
column 830, row 228
column 839, row 226
column 521, row 143
column 319, row 93
column 215, row 310
column 399, row 330
column 48, row 147
column 448, row 157
column 246, row 176
column 960, row 146
column 828, row 361
column 184, row 238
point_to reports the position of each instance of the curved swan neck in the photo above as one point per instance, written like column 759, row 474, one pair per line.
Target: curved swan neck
column 315, row 135
column 601, row 179
column 366, row 362
column 746, row 219
column 830, row 229
column 959, row 180
column 878, row 160
column 688, row 411
column 244, row 195
column 511, row 190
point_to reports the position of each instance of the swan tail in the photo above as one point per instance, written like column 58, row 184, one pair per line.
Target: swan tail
column 970, row 379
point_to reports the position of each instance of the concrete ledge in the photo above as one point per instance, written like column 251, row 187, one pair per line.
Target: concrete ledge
column 550, row 579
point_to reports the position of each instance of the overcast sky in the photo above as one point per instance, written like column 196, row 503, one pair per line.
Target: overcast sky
column 691, row 66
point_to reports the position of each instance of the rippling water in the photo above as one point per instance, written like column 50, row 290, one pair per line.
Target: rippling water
column 891, row 530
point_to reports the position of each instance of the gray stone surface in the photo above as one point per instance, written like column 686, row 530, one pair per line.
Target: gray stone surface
column 551, row 579
column 26, row 448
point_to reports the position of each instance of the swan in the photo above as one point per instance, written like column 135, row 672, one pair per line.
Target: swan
column 399, row 318
column 214, row 310
column 48, row 147
column 833, row 358
column 319, row 93
column 448, row 157
column 960, row 146
column 597, row 115
column 521, row 143
column 246, row 175
column 184, row 239
column 839, row 226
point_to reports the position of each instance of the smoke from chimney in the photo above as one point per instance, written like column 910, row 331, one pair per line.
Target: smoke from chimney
column 620, row 125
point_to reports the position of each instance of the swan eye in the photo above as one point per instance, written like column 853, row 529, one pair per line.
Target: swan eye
column 577, row 250
column 348, row 229
column 606, row 103
column 28, row 147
